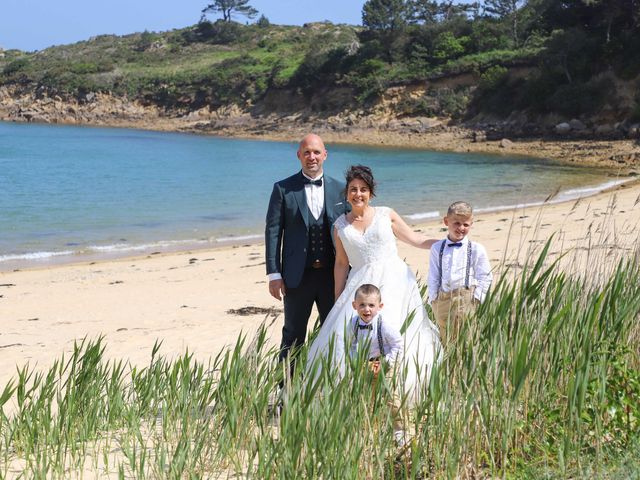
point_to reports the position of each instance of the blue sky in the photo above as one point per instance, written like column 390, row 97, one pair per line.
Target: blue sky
column 37, row 24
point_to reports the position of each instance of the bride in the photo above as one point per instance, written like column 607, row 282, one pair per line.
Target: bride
column 365, row 240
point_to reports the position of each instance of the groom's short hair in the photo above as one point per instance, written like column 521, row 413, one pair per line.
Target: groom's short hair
column 368, row 289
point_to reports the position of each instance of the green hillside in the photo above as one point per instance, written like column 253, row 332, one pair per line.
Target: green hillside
column 207, row 64
column 573, row 58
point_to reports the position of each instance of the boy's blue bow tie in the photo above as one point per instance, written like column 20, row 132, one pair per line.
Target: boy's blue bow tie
column 365, row 327
column 456, row 244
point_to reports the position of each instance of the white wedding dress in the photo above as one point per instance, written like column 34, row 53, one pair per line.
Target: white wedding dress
column 373, row 256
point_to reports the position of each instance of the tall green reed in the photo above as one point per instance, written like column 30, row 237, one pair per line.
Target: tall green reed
column 542, row 375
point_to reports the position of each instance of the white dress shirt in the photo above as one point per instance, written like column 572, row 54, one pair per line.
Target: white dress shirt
column 391, row 338
column 315, row 196
column 315, row 201
column 454, row 269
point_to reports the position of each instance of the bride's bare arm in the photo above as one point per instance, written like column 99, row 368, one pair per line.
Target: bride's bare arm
column 341, row 267
column 403, row 232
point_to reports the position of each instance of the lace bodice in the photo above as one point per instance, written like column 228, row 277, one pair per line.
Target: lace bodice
column 376, row 244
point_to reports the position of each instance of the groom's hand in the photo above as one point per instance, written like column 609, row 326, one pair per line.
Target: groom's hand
column 277, row 289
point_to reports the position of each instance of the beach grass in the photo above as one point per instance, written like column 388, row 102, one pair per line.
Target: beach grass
column 543, row 382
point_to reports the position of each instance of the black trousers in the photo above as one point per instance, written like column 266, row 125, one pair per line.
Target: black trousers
column 317, row 286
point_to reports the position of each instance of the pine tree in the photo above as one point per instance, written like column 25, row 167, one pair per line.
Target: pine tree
column 388, row 15
column 386, row 21
column 229, row 7
column 508, row 10
column 424, row 11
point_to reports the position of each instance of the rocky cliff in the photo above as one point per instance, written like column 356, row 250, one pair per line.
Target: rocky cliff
column 282, row 110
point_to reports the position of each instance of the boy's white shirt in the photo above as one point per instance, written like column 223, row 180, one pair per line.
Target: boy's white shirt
column 391, row 338
column 454, row 269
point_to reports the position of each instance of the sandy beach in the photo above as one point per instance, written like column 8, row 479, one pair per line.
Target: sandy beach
column 202, row 300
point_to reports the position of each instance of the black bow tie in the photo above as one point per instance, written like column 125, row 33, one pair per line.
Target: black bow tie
column 456, row 244
column 368, row 326
column 317, row 183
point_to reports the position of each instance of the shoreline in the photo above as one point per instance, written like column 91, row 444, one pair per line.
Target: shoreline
column 160, row 248
column 591, row 152
column 587, row 150
column 72, row 258
column 415, row 221
column 202, row 300
column 452, row 140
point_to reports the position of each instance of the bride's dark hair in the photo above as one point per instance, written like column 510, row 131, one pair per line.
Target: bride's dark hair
column 360, row 172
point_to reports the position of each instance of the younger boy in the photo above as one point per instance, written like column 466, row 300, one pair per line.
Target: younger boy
column 383, row 341
column 459, row 273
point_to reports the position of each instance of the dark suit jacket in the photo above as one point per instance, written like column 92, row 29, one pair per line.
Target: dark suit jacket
column 286, row 232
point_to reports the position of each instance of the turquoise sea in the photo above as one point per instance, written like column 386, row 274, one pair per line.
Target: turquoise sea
column 73, row 193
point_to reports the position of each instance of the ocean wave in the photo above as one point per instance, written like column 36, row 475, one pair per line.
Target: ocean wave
column 34, row 255
column 125, row 247
column 423, row 215
column 113, row 249
column 517, row 206
column 239, row 238
column 562, row 196
column 586, row 191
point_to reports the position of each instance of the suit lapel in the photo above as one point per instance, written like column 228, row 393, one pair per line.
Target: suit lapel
column 301, row 199
column 328, row 199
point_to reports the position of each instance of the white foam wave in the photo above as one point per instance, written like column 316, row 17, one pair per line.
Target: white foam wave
column 117, row 248
column 423, row 215
column 563, row 196
column 517, row 206
column 586, row 191
column 122, row 249
column 239, row 238
column 125, row 247
column 34, row 255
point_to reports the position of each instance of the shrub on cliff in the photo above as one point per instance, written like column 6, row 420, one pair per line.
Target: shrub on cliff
column 219, row 32
column 321, row 69
column 145, row 41
column 492, row 78
column 15, row 66
column 578, row 99
column 82, row 68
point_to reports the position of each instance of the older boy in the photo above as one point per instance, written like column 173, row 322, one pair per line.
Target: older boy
column 459, row 272
column 383, row 341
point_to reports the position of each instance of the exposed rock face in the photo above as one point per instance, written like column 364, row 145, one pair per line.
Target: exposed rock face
column 627, row 159
column 93, row 108
column 477, row 136
column 604, row 130
column 288, row 115
column 577, row 125
column 410, row 125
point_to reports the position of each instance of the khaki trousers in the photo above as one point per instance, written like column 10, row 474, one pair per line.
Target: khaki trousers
column 450, row 309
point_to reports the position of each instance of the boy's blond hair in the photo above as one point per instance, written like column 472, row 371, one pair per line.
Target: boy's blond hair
column 462, row 209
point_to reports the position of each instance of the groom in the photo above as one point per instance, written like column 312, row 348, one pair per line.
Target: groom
column 299, row 246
